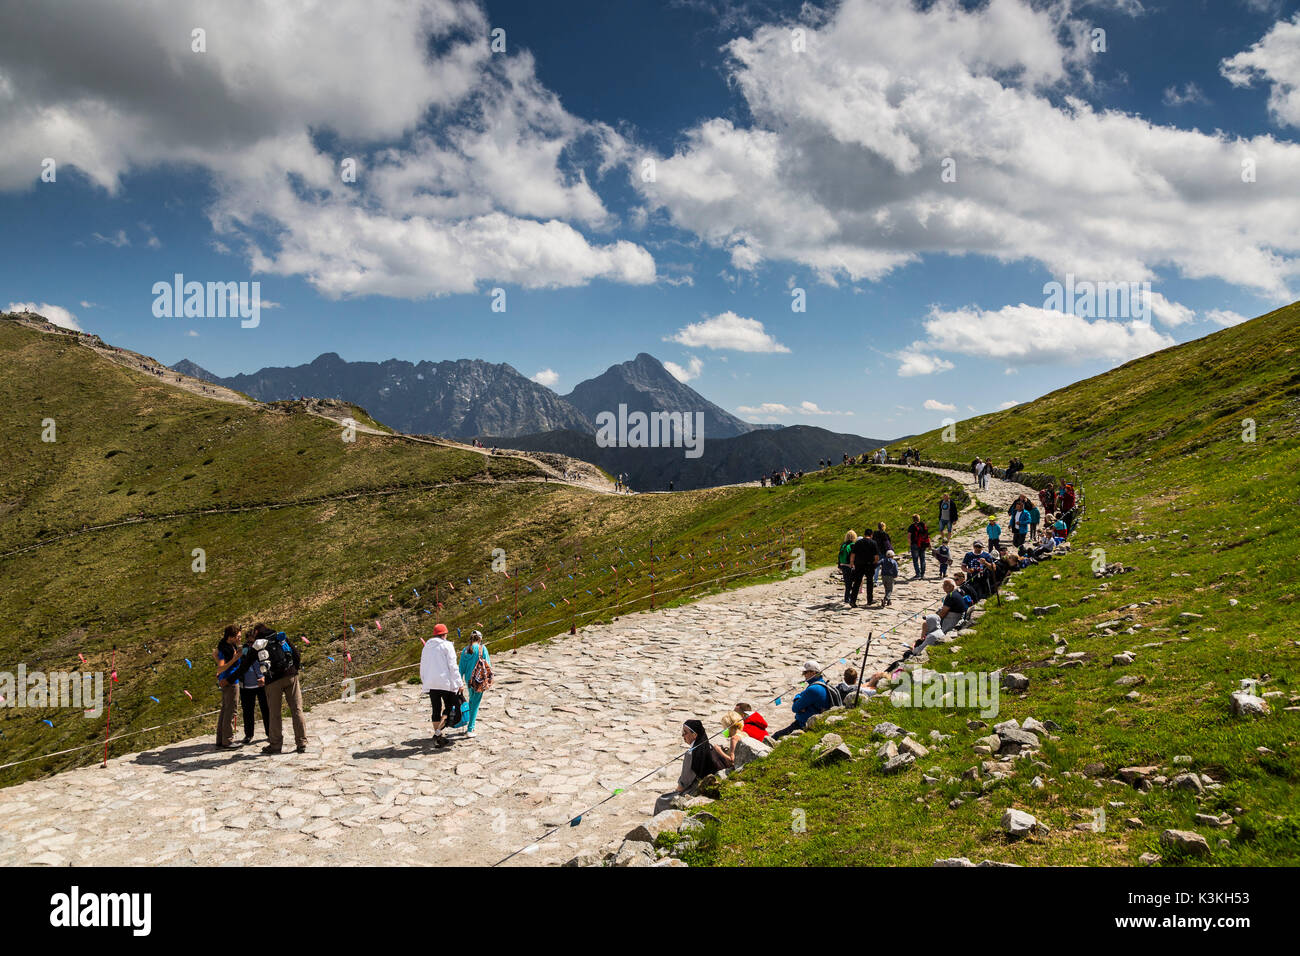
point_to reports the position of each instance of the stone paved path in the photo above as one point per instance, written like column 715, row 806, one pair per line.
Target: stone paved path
column 568, row 722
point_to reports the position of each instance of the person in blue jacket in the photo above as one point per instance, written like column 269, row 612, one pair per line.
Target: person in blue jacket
column 812, row 700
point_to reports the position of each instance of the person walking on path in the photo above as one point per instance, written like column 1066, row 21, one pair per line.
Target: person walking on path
column 846, row 567
column 994, row 531
column 888, row 574
column 441, row 680
column 947, row 513
column 918, row 537
column 883, row 543
column 477, row 679
column 863, row 564
column 225, row 655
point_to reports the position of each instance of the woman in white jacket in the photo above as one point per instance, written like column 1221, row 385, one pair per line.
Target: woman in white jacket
column 441, row 680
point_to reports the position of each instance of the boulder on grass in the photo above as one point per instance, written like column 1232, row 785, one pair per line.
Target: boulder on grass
column 1185, row 841
column 666, row 822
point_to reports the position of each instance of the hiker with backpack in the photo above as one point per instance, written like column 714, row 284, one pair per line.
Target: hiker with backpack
column 280, row 664
column 440, row 679
column 476, row 672
column 818, row 696
column 846, row 566
column 918, row 536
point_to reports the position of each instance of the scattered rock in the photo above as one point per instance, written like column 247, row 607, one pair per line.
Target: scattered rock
column 913, row 747
column 954, row 861
column 634, row 853
column 898, row 763
column 1185, row 841
column 1015, row 682
column 1248, row 705
column 1123, row 659
column 648, row 832
column 1049, row 609
column 748, row 750
column 1018, row 823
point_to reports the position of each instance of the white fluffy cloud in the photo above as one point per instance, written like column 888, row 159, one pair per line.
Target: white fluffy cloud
column 547, row 377
column 728, row 330
column 915, row 361
column 840, row 168
column 469, row 171
column 771, row 411
column 56, row 314
column 691, row 370
column 937, row 406
column 1274, row 61
column 1030, row 335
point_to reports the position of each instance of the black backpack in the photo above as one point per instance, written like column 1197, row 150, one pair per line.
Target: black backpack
column 275, row 655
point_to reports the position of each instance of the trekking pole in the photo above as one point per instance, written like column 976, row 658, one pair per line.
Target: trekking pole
column 108, row 717
column 857, row 691
column 652, row 574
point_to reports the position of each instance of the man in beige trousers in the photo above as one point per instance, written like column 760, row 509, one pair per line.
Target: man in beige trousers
column 280, row 666
column 225, row 655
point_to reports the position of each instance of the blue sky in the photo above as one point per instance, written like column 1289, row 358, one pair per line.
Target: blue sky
column 794, row 147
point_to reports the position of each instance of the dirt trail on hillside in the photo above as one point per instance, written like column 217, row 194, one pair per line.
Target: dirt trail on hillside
column 569, row 722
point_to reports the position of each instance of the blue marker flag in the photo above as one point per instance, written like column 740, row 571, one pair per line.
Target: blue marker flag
column 575, row 821
column 48, row 723
column 189, row 663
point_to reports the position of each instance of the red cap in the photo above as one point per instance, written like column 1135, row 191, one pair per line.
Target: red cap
column 439, row 630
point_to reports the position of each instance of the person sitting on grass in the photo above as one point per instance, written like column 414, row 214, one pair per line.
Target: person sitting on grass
column 931, row 634
column 810, row 701
column 702, row 759
column 754, row 724
column 847, row 686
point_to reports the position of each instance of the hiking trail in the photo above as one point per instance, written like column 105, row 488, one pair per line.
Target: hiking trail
column 568, row 721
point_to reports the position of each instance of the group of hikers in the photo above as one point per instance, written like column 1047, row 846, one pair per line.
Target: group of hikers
column 862, row 558
column 258, row 668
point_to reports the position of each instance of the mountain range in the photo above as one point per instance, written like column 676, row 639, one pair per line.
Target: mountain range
column 470, row 398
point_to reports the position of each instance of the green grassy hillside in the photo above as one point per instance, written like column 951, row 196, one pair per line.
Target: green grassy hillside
column 304, row 530
column 1206, row 520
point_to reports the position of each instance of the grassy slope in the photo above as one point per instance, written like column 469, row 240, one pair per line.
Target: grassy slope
column 302, row 567
column 1158, row 446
